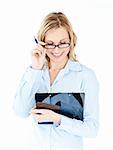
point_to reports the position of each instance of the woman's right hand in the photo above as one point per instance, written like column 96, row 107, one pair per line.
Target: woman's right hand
column 38, row 56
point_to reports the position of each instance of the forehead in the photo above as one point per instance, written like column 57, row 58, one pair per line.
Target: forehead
column 57, row 34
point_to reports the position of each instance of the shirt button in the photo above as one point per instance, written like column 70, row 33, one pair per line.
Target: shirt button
column 69, row 94
column 51, row 89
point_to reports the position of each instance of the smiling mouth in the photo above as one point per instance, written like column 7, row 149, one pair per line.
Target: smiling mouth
column 57, row 55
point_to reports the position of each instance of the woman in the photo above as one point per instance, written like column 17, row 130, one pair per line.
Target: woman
column 55, row 69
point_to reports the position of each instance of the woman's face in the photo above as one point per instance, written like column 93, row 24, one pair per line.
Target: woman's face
column 60, row 38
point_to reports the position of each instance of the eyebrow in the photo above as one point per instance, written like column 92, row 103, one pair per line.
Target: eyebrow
column 59, row 41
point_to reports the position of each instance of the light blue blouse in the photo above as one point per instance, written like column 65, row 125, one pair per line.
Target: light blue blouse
column 76, row 78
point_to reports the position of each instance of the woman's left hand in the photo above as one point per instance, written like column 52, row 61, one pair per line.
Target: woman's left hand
column 43, row 115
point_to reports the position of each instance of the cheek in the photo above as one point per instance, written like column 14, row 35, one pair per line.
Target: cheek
column 67, row 52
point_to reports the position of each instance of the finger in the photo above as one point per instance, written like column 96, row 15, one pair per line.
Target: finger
column 41, row 43
column 34, row 111
column 44, row 51
column 40, row 51
column 41, row 111
column 41, row 118
column 37, row 111
column 35, row 52
column 39, row 47
column 37, row 117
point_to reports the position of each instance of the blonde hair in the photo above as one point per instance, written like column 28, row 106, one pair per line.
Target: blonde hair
column 56, row 20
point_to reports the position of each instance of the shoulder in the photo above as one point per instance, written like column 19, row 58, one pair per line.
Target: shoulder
column 87, row 70
column 89, row 76
column 86, row 73
column 77, row 66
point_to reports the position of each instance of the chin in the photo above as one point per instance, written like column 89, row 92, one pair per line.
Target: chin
column 58, row 59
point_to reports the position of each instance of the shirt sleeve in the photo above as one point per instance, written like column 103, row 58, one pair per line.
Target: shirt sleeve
column 90, row 124
column 25, row 96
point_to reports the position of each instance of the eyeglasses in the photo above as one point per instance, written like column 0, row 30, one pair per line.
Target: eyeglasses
column 53, row 46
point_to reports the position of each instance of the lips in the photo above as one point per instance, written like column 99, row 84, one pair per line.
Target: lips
column 56, row 54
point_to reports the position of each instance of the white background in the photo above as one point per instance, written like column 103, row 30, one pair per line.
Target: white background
column 19, row 22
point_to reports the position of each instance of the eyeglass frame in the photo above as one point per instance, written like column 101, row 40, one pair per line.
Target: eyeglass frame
column 56, row 45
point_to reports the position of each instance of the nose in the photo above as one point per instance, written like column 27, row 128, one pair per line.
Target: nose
column 56, row 49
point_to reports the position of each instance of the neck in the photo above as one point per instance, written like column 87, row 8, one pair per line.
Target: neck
column 57, row 65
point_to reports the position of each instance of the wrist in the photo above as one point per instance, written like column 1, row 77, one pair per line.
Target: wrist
column 37, row 67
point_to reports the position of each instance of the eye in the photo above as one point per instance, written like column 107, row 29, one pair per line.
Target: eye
column 62, row 42
column 64, row 45
column 50, row 44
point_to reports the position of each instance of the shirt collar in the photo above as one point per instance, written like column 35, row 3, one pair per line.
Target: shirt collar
column 73, row 65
